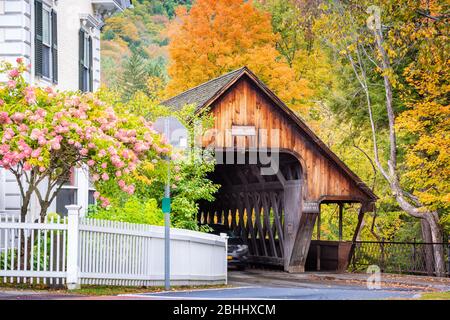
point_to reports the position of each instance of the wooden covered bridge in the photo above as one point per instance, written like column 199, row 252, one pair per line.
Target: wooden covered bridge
column 273, row 170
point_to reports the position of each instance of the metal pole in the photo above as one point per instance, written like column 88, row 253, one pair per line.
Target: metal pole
column 167, row 235
column 166, row 210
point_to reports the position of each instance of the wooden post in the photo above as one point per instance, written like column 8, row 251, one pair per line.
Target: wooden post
column 292, row 214
column 73, row 280
column 318, row 225
column 358, row 226
column 340, row 221
column 318, row 240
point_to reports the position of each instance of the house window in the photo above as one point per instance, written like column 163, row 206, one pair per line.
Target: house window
column 46, row 43
column 64, row 198
column 86, row 73
column 86, row 66
column 91, row 199
column 46, row 47
column 67, row 194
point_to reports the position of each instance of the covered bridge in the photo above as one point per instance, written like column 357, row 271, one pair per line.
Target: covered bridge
column 273, row 170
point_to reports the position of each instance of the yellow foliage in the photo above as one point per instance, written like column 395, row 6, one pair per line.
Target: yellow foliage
column 427, row 118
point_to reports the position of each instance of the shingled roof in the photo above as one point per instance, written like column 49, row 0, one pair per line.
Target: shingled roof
column 201, row 94
column 206, row 93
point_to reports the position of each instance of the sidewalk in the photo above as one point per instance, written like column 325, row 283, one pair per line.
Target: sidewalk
column 11, row 294
column 391, row 280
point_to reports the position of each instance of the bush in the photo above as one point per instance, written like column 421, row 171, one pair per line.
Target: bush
column 189, row 175
column 134, row 210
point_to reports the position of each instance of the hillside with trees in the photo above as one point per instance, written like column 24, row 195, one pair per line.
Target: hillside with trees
column 134, row 46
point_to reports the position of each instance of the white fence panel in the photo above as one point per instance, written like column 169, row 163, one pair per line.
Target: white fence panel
column 74, row 251
column 119, row 253
column 33, row 252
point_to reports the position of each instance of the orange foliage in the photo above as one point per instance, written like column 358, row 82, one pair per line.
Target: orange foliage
column 216, row 37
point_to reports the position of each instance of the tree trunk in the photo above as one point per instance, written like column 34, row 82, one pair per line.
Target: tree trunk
column 23, row 238
column 436, row 236
column 24, row 208
column 358, row 235
column 428, row 249
column 432, row 218
column 44, row 208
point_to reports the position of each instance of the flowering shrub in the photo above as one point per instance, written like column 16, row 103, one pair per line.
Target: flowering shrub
column 189, row 175
column 44, row 133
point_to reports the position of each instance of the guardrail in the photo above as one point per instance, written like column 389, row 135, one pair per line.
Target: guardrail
column 398, row 257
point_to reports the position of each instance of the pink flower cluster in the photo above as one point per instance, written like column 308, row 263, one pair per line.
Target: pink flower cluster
column 104, row 202
column 126, row 188
column 77, row 129
column 4, row 118
column 11, row 158
column 30, row 95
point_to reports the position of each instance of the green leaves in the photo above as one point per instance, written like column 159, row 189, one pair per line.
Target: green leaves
column 134, row 210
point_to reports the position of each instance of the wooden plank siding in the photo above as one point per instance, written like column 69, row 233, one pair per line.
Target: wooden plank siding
column 245, row 104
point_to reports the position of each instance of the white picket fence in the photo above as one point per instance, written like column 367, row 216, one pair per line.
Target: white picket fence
column 74, row 251
column 33, row 252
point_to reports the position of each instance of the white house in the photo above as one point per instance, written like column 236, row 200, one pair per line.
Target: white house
column 61, row 41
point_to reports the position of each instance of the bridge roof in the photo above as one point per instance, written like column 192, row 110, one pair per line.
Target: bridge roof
column 204, row 95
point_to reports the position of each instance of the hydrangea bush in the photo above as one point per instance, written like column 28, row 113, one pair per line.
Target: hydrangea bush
column 189, row 173
column 44, row 133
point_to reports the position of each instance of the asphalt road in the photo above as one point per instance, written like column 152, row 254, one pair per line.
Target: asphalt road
column 260, row 285
column 280, row 293
column 266, row 284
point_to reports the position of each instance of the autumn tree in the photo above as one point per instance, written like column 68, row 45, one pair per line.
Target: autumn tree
column 134, row 76
column 216, row 37
column 118, row 26
column 377, row 45
column 45, row 133
column 427, row 118
column 292, row 21
column 425, row 125
column 300, row 47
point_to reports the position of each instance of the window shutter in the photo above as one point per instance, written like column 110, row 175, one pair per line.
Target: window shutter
column 38, row 37
column 91, row 68
column 55, row 46
column 81, row 62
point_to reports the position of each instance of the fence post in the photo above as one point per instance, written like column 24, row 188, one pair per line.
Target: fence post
column 382, row 255
column 414, row 255
column 73, row 281
column 225, row 237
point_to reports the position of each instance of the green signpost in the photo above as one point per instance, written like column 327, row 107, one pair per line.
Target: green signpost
column 176, row 134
